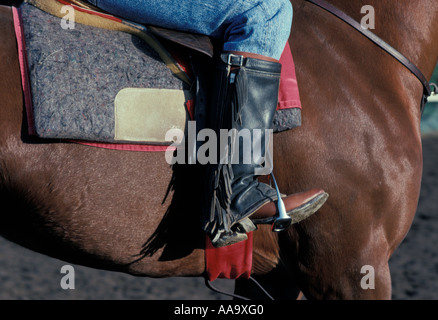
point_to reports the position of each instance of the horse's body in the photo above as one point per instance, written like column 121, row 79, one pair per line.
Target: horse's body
column 360, row 141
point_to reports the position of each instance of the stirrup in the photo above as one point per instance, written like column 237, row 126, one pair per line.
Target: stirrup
column 282, row 221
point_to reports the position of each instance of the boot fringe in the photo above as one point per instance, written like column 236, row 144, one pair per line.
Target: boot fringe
column 221, row 199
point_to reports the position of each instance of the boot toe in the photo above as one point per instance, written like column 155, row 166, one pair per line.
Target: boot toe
column 308, row 207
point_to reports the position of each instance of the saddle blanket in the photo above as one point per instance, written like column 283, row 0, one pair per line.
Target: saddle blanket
column 82, row 83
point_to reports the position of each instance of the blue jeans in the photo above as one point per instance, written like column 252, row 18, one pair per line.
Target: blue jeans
column 254, row 26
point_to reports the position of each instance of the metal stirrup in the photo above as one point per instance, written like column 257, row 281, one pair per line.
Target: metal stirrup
column 282, row 221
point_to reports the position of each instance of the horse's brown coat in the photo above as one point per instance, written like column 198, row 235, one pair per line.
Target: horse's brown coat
column 360, row 141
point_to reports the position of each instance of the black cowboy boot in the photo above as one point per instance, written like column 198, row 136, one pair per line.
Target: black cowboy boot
column 245, row 97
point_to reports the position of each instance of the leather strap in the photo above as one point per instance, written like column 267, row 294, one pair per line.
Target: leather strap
column 379, row 42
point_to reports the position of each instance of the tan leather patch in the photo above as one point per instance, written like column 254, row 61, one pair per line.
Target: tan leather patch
column 145, row 115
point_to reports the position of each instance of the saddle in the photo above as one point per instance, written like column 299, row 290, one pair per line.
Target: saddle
column 136, row 112
column 197, row 42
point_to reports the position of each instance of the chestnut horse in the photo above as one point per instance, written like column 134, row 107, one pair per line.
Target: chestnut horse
column 359, row 140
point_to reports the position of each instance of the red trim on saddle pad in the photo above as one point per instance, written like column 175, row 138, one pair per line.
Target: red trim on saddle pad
column 22, row 57
column 230, row 262
column 125, row 146
column 289, row 95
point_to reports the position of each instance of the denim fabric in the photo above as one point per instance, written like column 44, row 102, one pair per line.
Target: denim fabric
column 255, row 26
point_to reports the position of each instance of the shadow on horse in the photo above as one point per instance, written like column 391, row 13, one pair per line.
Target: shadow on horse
column 359, row 140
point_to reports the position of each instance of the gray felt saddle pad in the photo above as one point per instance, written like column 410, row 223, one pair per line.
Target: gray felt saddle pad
column 76, row 75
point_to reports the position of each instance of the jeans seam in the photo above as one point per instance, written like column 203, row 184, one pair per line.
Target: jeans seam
column 266, row 26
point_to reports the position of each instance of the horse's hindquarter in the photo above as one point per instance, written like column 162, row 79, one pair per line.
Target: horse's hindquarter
column 86, row 205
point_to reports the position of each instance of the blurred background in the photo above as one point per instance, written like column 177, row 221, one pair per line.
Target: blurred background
column 28, row 275
column 429, row 122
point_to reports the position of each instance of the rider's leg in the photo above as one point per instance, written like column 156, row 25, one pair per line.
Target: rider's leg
column 245, row 99
column 256, row 26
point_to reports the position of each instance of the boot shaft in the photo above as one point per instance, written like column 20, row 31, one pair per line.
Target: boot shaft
column 245, row 92
column 245, row 99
